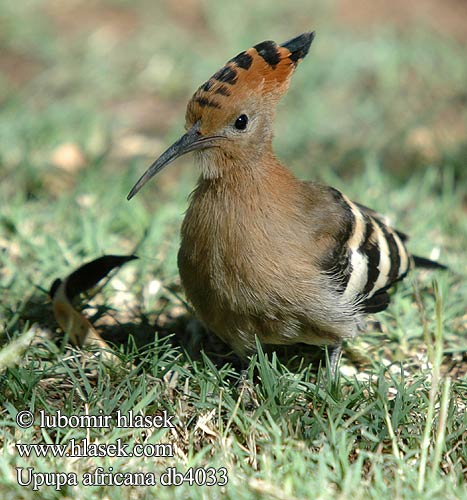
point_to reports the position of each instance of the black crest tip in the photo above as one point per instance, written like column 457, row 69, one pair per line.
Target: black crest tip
column 89, row 274
column 299, row 46
column 54, row 287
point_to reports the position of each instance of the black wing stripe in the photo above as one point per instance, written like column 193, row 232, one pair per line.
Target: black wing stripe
column 358, row 261
column 371, row 250
column 394, row 258
column 403, row 255
column 338, row 263
column 384, row 264
column 379, row 302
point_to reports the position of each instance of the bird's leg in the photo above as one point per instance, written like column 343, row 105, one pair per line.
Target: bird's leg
column 245, row 387
column 243, row 378
column 334, row 353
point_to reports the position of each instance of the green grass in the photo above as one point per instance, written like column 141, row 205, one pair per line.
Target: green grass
column 378, row 112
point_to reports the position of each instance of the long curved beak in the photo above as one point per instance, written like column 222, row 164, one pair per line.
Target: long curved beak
column 190, row 141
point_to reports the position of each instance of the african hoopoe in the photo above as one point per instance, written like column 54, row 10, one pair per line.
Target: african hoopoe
column 263, row 253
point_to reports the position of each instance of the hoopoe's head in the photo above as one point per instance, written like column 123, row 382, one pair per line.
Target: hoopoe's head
column 233, row 111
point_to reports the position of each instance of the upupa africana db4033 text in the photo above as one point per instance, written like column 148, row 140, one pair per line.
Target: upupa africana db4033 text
column 263, row 253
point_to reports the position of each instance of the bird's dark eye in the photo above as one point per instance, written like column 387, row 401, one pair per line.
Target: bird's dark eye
column 241, row 122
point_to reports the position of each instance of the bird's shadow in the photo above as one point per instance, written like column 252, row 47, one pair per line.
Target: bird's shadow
column 138, row 330
column 186, row 333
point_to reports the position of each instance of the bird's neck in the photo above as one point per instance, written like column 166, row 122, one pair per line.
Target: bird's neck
column 243, row 173
column 245, row 195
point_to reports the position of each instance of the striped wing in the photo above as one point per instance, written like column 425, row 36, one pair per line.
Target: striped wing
column 373, row 256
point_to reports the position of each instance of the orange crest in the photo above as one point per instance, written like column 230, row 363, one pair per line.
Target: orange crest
column 264, row 69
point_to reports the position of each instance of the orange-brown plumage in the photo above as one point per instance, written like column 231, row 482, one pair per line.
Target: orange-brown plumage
column 263, row 253
column 249, row 261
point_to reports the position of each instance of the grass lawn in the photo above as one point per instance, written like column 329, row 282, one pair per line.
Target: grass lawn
column 91, row 92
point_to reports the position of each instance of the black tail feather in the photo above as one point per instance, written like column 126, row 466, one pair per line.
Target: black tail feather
column 427, row 263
